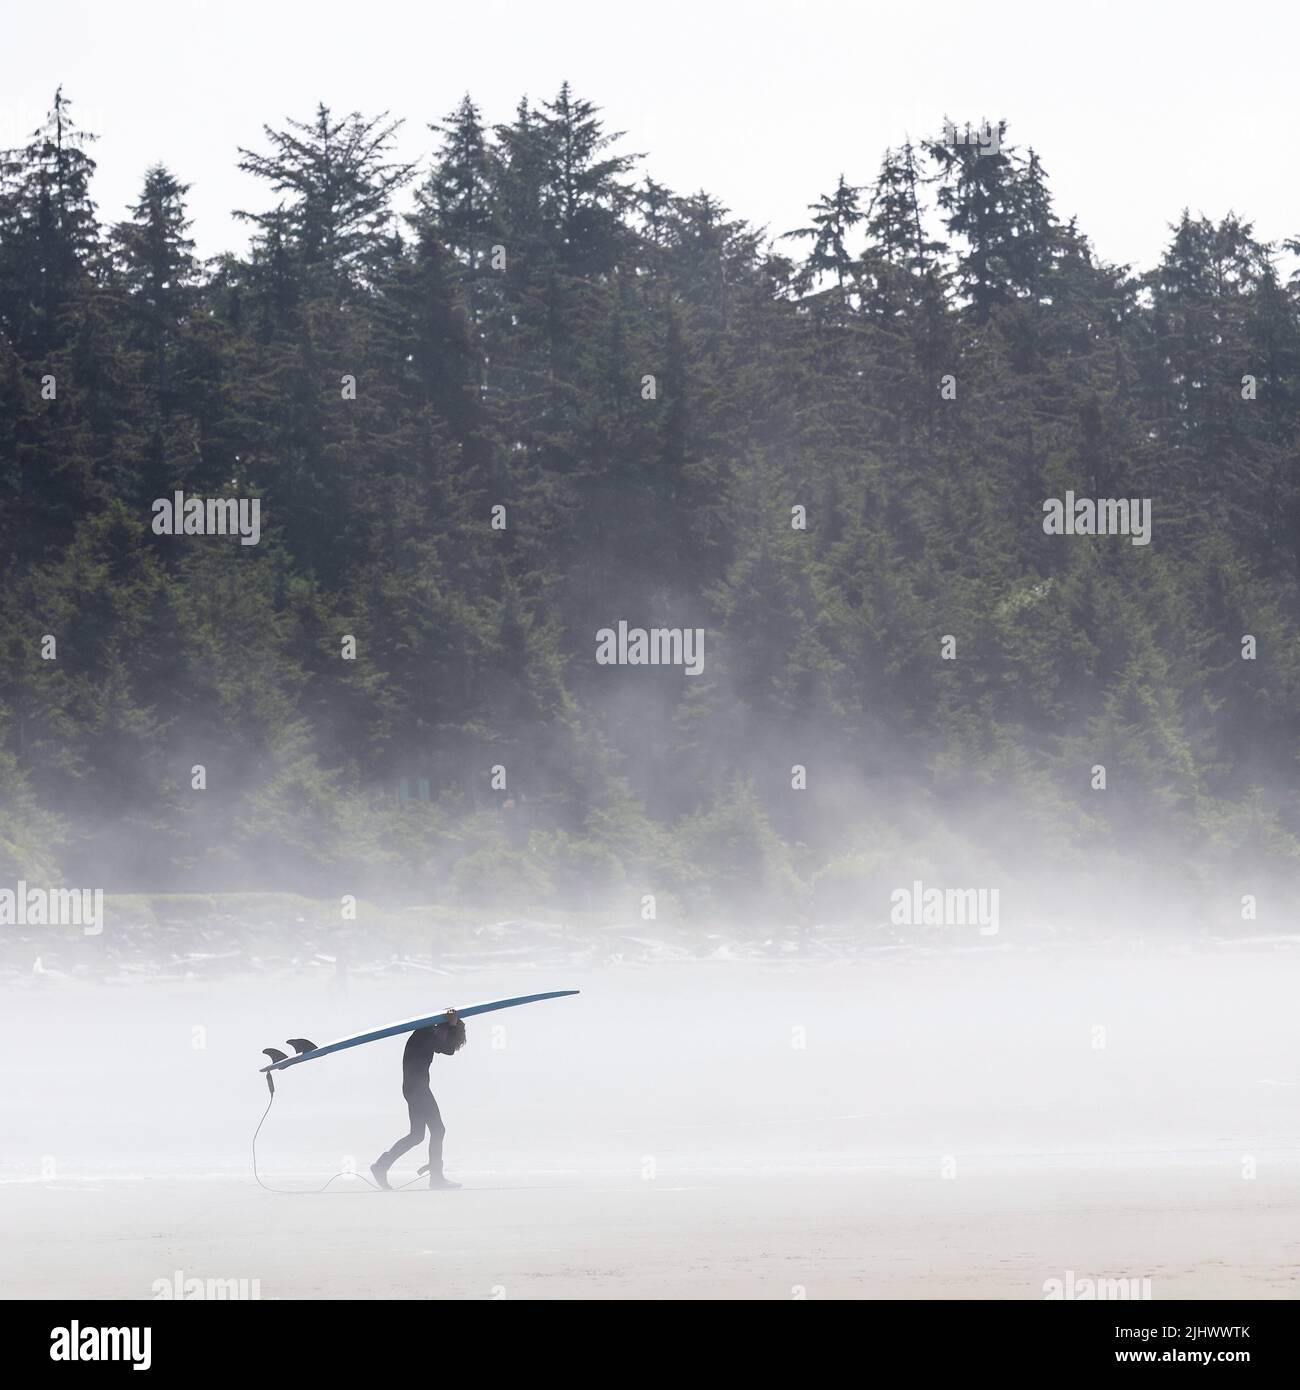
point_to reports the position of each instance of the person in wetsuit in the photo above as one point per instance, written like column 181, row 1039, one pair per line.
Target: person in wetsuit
column 446, row 1038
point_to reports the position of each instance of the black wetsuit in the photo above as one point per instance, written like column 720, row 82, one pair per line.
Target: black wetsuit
column 420, row 1104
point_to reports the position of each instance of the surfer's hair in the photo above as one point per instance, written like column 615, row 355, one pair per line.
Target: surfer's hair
column 453, row 1031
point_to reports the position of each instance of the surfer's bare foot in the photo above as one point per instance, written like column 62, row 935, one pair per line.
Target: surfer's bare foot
column 380, row 1176
column 438, row 1184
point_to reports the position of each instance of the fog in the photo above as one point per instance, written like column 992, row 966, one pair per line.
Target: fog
column 740, row 550
column 972, row 1119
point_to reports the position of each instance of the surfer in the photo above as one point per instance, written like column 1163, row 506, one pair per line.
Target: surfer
column 447, row 1038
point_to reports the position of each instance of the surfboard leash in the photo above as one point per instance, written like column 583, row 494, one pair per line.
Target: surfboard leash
column 309, row 1191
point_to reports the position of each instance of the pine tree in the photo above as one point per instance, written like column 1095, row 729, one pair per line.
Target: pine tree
column 158, row 273
column 457, row 197
column 49, row 233
column 834, row 215
column 340, row 178
column 582, row 196
column 983, row 199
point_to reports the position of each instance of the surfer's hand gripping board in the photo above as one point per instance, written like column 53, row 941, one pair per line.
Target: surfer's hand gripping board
column 307, row 1052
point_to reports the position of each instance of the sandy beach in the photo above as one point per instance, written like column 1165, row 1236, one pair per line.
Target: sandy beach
column 718, row 1130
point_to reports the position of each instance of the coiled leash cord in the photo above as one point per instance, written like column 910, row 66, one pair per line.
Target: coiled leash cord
column 308, row 1191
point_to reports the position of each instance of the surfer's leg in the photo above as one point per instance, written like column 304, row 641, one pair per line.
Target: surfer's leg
column 409, row 1141
column 437, row 1131
column 404, row 1144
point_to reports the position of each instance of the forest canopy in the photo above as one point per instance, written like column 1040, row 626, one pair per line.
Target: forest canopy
column 495, row 402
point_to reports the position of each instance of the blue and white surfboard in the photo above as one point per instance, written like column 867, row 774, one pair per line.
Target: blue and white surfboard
column 308, row 1052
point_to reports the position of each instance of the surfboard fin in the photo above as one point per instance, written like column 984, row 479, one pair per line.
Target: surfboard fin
column 301, row 1045
column 275, row 1054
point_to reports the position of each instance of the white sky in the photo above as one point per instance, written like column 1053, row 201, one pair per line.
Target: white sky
column 1136, row 109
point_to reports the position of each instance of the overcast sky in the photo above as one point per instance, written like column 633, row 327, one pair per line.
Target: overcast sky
column 1136, row 109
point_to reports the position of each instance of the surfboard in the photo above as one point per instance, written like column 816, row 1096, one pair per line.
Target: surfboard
column 308, row 1053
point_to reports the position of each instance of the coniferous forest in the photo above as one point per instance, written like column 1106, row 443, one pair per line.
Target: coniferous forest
column 499, row 401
